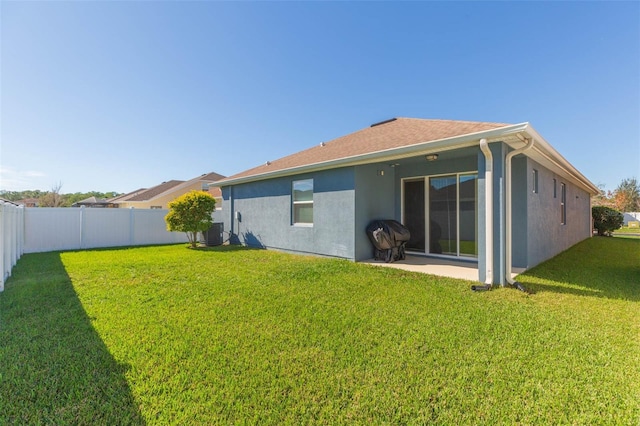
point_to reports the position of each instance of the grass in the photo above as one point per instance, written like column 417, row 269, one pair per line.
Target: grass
column 167, row 335
column 626, row 232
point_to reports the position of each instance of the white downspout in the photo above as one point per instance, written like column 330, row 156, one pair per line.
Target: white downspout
column 488, row 218
column 507, row 181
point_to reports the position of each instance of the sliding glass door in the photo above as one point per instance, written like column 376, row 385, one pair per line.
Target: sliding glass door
column 443, row 215
column 468, row 215
column 449, row 206
column 414, row 213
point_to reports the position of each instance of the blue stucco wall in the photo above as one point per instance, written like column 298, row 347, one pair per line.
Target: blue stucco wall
column 347, row 199
column 546, row 236
column 375, row 195
column 265, row 214
column 520, row 185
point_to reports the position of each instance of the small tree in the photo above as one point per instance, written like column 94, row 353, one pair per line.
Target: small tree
column 603, row 198
column 191, row 213
column 52, row 198
column 606, row 220
column 627, row 195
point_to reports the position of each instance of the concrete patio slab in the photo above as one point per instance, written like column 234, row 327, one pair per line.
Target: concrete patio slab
column 461, row 269
column 465, row 270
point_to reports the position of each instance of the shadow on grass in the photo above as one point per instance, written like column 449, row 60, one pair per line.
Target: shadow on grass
column 54, row 368
column 226, row 248
column 597, row 267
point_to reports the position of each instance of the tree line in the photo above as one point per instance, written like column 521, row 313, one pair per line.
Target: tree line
column 625, row 198
column 54, row 198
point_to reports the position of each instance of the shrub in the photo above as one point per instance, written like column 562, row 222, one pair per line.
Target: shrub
column 606, row 220
column 191, row 213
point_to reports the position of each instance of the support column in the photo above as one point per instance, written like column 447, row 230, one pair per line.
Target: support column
column 498, row 151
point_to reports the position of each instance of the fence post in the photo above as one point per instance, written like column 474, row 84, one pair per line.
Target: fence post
column 3, row 236
column 81, row 227
column 22, row 232
column 14, row 236
column 131, row 226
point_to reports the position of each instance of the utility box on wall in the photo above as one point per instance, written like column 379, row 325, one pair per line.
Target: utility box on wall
column 213, row 237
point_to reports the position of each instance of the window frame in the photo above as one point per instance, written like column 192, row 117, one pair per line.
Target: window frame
column 295, row 202
column 563, row 203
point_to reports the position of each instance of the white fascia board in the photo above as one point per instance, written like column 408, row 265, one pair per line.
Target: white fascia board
column 559, row 164
column 464, row 141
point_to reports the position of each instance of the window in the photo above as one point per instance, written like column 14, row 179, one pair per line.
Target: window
column 535, row 181
column 302, row 202
column 563, row 204
column 555, row 190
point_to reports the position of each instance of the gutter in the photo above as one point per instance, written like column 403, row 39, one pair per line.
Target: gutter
column 543, row 148
column 421, row 148
column 488, row 217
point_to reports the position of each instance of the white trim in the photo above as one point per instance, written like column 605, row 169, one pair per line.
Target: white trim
column 422, row 148
column 511, row 135
column 488, row 210
column 295, row 203
column 548, row 153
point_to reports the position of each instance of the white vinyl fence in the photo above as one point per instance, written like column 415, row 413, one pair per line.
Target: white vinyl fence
column 630, row 216
column 51, row 229
column 35, row 230
column 11, row 238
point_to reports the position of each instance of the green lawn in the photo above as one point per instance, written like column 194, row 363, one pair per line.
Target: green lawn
column 626, row 232
column 168, row 335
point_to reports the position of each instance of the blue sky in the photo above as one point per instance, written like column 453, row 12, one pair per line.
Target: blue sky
column 114, row 96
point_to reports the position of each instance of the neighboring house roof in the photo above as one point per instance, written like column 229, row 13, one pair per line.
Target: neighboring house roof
column 125, row 197
column 145, row 195
column 215, row 192
column 210, row 177
column 155, row 191
column 15, row 203
column 92, row 200
column 404, row 137
column 27, row 202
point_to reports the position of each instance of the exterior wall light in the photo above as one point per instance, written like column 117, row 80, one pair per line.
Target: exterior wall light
column 431, row 157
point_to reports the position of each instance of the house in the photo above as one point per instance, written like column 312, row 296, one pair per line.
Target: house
column 94, row 202
column 159, row 196
column 494, row 194
column 29, row 202
column 631, row 219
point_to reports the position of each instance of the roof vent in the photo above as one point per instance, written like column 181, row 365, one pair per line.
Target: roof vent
column 268, row 163
column 384, row 122
column 322, row 144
